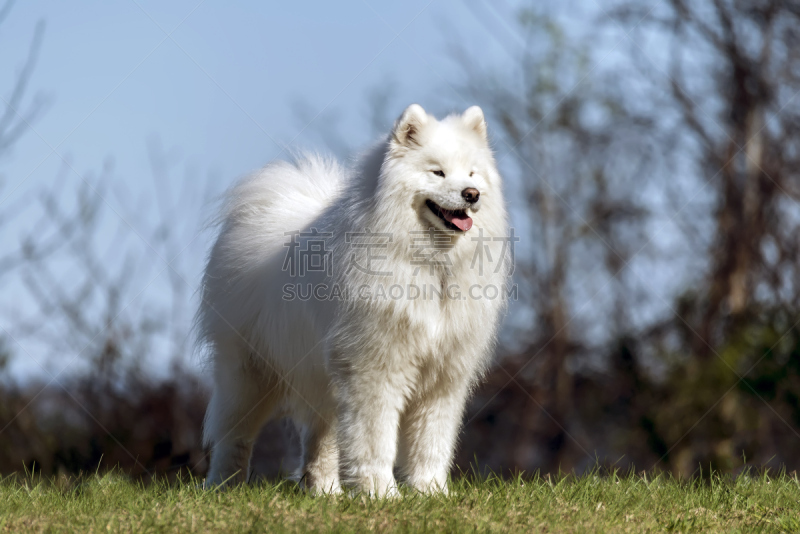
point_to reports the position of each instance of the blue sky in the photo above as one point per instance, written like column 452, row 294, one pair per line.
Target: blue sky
column 220, row 90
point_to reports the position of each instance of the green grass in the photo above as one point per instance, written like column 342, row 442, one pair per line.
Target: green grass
column 593, row 503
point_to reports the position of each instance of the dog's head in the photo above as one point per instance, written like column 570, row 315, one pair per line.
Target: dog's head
column 445, row 167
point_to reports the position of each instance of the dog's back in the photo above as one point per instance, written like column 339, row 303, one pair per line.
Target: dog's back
column 259, row 215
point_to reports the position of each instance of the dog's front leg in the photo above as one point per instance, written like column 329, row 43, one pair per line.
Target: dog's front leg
column 369, row 412
column 428, row 434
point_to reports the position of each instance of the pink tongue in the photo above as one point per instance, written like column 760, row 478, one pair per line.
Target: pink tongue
column 463, row 222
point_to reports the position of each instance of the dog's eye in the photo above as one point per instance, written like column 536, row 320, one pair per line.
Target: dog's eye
column 471, row 173
column 439, row 173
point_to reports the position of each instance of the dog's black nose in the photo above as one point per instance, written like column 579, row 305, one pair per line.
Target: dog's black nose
column 471, row 195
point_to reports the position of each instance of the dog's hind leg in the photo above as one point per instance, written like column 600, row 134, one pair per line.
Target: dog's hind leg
column 244, row 398
column 320, row 471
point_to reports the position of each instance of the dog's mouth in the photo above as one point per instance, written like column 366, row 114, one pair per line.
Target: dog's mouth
column 457, row 220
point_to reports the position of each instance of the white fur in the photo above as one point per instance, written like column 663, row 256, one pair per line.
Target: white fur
column 373, row 384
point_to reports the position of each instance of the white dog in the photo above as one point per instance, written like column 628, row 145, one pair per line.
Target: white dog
column 364, row 304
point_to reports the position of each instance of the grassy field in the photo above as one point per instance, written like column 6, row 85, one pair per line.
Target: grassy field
column 592, row 503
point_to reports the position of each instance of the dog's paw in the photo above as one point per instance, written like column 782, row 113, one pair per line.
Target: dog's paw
column 430, row 486
column 391, row 492
column 323, row 490
column 377, row 487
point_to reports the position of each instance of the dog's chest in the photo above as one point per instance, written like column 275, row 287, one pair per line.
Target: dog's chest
column 442, row 321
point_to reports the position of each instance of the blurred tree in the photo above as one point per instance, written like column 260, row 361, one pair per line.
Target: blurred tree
column 708, row 119
column 572, row 152
column 15, row 120
column 731, row 77
column 83, row 286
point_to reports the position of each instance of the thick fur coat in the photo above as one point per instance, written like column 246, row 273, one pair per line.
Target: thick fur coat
column 363, row 303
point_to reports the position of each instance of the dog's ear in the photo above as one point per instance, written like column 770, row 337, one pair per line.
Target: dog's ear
column 474, row 120
column 407, row 127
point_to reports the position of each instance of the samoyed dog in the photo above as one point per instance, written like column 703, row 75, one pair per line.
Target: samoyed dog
column 363, row 303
